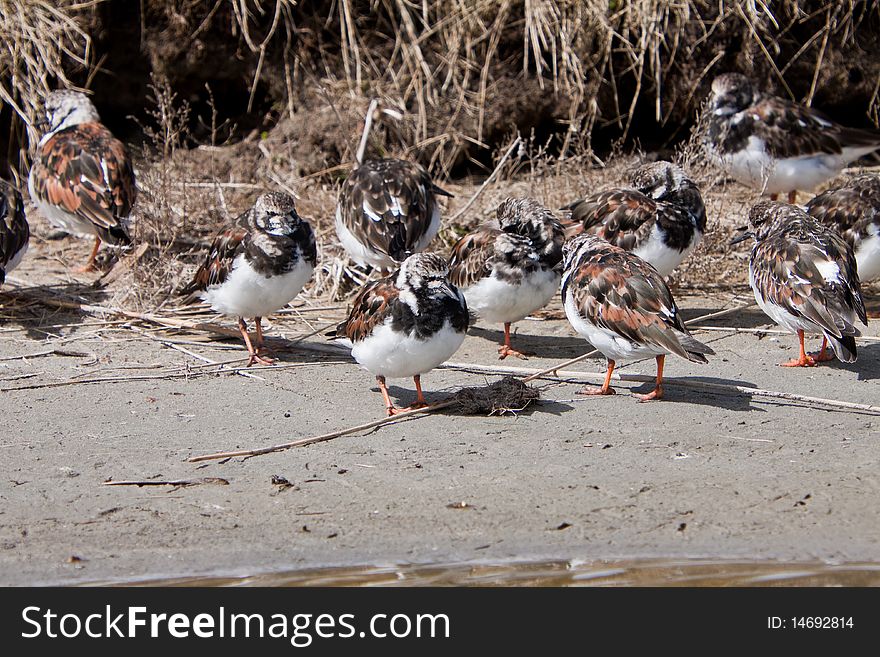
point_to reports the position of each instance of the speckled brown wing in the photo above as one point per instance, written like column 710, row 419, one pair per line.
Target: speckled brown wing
column 86, row 171
column 850, row 209
column 371, row 307
column 785, row 268
column 471, row 258
column 388, row 205
column 623, row 217
column 792, row 130
column 619, row 292
column 14, row 230
column 218, row 263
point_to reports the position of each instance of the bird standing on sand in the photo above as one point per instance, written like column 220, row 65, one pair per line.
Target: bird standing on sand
column 257, row 266
column 82, row 179
column 407, row 324
column 776, row 145
column 509, row 268
column 622, row 306
column 661, row 219
column 14, row 230
column 804, row 278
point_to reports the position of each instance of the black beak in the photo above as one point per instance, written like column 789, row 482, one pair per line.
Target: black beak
column 742, row 238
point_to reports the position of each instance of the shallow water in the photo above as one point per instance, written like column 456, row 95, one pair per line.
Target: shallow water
column 557, row 573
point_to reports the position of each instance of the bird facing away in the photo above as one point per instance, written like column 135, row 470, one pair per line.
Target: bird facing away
column 775, row 145
column 853, row 210
column 14, row 230
column 257, row 266
column 623, row 307
column 661, row 218
column 407, row 323
column 387, row 210
column 82, row 179
column 804, row 278
column 509, row 268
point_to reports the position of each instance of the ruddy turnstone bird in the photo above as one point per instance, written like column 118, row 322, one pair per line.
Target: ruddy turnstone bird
column 14, row 231
column 387, row 210
column 622, row 306
column 776, row 145
column 804, row 278
column 82, row 179
column 661, row 219
column 508, row 269
column 407, row 323
column 853, row 210
column 257, row 266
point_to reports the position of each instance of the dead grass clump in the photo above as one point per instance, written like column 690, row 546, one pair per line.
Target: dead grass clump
column 508, row 395
column 42, row 41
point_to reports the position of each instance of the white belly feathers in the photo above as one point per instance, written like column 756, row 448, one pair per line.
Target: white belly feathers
column 245, row 293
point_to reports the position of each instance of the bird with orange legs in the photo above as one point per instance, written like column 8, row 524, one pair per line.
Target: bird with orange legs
column 509, row 268
column 406, row 324
column 624, row 308
column 82, row 178
column 805, row 279
column 256, row 266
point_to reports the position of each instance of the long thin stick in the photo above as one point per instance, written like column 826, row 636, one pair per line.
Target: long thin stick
column 191, row 353
column 368, row 123
column 486, row 182
column 590, row 377
column 327, row 436
column 762, row 331
column 52, row 352
column 175, row 482
column 578, row 359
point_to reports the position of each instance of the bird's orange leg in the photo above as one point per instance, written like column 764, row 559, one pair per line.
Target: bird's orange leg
column 792, row 197
column 824, row 355
column 254, row 357
column 389, row 407
column 657, row 392
column 506, row 350
column 804, row 359
column 606, row 388
column 90, row 263
column 262, row 350
column 421, row 402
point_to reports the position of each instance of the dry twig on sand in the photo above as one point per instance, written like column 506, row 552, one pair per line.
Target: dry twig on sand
column 509, row 395
column 178, row 483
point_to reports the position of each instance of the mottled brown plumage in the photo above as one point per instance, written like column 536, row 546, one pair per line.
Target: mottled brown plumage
column 387, row 209
column 661, row 218
column 406, row 324
column 472, row 256
column 853, row 210
column 787, row 128
column 509, row 268
column 613, row 290
column 370, row 308
column 85, row 171
column 14, row 230
column 804, row 276
column 622, row 305
column 215, row 268
column 257, row 265
column 623, row 217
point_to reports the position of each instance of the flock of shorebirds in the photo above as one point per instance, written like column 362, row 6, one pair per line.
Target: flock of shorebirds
column 609, row 253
